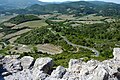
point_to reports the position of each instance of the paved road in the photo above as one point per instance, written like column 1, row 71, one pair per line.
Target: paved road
column 75, row 45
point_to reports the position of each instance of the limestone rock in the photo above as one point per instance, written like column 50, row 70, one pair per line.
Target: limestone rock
column 116, row 53
column 39, row 75
column 27, row 62
column 12, row 56
column 59, row 72
column 73, row 63
column 100, row 73
column 12, row 65
column 44, row 64
column 22, row 75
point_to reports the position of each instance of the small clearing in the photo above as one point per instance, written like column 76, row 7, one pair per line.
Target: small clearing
column 49, row 48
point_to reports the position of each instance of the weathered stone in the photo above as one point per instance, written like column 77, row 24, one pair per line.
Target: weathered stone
column 12, row 65
column 59, row 72
column 44, row 64
column 22, row 75
column 27, row 62
column 39, row 75
column 12, row 56
column 100, row 73
column 78, row 69
column 74, row 62
column 116, row 53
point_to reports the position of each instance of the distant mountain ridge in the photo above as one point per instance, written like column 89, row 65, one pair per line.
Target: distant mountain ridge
column 13, row 4
column 78, row 8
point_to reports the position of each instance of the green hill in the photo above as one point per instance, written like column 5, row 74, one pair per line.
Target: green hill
column 76, row 8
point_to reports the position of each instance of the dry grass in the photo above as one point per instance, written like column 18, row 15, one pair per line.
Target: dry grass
column 110, row 20
column 9, row 24
column 49, row 48
column 20, row 48
column 92, row 17
column 16, row 34
column 88, row 22
column 66, row 17
column 13, row 39
column 46, row 16
column 31, row 24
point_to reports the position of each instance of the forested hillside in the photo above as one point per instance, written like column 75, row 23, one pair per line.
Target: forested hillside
column 79, row 8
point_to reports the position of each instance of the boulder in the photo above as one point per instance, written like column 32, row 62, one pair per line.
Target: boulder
column 12, row 65
column 100, row 73
column 39, row 75
column 73, row 63
column 27, row 62
column 116, row 53
column 44, row 64
column 21, row 75
column 58, row 73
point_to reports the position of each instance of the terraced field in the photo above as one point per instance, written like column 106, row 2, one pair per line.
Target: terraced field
column 13, row 39
column 88, row 22
column 31, row 24
column 16, row 33
column 66, row 17
column 92, row 17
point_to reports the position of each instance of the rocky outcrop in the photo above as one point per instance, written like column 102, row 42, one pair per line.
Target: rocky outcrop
column 27, row 62
column 116, row 53
column 26, row 68
column 43, row 64
column 58, row 73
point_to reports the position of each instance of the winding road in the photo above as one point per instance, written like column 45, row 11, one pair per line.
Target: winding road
column 75, row 45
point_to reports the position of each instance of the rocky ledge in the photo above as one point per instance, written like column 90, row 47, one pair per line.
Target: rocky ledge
column 27, row 68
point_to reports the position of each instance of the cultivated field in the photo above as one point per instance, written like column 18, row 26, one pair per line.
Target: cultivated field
column 9, row 24
column 88, row 22
column 20, row 48
column 66, row 17
column 31, row 24
column 92, row 17
column 1, row 35
column 49, row 48
column 16, row 34
column 13, row 39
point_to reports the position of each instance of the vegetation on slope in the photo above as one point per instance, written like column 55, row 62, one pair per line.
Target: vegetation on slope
column 103, row 37
column 79, row 8
column 23, row 18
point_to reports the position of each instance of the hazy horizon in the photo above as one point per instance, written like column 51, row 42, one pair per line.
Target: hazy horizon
column 115, row 1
